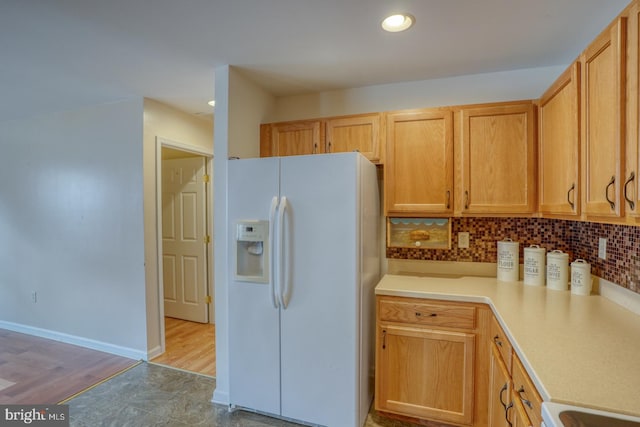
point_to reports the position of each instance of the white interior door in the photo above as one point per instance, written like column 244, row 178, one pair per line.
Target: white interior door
column 184, row 261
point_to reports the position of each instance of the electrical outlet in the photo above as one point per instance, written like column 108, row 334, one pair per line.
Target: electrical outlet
column 34, row 297
column 463, row 239
column 602, row 248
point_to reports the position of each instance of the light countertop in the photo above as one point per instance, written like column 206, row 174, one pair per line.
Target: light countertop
column 578, row 350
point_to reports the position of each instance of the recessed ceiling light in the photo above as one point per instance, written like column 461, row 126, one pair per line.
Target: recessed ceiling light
column 397, row 23
column 212, row 102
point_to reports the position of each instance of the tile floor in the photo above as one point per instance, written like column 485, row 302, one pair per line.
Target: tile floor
column 152, row 395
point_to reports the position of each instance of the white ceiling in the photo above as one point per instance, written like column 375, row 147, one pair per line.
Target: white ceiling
column 61, row 54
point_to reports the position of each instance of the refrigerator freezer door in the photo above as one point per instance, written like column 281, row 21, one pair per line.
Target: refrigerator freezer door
column 254, row 363
column 319, row 327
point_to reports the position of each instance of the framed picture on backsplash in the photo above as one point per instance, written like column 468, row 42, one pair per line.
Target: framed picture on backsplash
column 423, row 233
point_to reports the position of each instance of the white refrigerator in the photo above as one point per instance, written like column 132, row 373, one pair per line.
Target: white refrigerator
column 301, row 342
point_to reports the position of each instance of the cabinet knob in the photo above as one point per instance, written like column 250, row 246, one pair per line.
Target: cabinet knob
column 497, row 340
column 525, row 401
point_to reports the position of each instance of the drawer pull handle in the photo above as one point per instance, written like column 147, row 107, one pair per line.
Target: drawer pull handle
column 571, row 203
column 506, row 413
column 525, row 401
column 418, row 314
column 631, row 203
column 502, row 390
column 606, row 192
column 497, row 340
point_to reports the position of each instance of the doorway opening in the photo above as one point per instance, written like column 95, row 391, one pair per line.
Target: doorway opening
column 185, row 257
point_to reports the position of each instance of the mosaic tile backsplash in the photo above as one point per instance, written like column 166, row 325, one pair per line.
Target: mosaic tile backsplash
column 578, row 239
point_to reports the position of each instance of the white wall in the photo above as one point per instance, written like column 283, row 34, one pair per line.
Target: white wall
column 478, row 88
column 71, row 227
column 195, row 133
column 240, row 107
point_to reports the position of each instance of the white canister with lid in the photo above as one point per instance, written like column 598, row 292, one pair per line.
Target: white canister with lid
column 581, row 277
column 558, row 270
column 534, row 265
column 508, row 260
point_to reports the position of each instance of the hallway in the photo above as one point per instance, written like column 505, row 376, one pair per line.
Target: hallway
column 190, row 346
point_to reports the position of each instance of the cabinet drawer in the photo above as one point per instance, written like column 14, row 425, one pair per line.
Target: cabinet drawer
column 526, row 392
column 438, row 315
column 502, row 343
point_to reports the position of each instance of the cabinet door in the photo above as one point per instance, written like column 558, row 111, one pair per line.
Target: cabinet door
column 559, row 130
column 425, row 373
column 630, row 190
column 498, row 159
column 358, row 133
column 295, row 138
column 603, row 80
column 418, row 175
column 518, row 414
column 499, row 390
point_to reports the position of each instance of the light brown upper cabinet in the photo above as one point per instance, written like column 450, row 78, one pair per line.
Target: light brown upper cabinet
column 630, row 191
column 354, row 133
column 603, row 114
column 418, row 175
column 360, row 133
column 498, row 159
column 291, row 138
column 559, row 145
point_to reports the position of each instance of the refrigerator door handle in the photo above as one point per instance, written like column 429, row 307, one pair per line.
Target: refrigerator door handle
column 272, row 252
column 283, row 276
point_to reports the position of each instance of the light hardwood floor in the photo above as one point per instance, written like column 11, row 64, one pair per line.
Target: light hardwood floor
column 189, row 346
column 36, row 370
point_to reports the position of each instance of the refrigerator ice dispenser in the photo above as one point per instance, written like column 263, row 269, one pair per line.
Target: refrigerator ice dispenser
column 252, row 251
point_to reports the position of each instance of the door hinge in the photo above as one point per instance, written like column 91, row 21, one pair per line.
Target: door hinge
column 206, row 178
column 208, row 300
column 207, row 239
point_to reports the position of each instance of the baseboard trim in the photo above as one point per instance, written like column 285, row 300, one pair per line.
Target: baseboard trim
column 220, row 397
column 154, row 352
column 75, row 340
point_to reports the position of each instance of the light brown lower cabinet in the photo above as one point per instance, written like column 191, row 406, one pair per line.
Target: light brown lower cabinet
column 513, row 399
column 451, row 363
column 519, row 416
column 499, row 390
column 525, row 393
column 444, row 359
column 426, row 359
